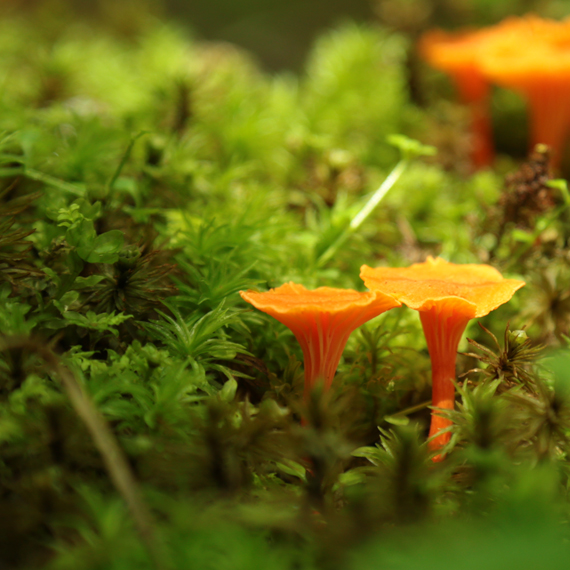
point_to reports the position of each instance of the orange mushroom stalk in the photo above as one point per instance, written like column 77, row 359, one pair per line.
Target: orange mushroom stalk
column 456, row 54
column 447, row 297
column 321, row 320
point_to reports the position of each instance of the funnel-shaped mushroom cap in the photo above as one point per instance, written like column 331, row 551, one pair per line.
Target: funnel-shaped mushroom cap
column 447, row 296
column 321, row 320
column 523, row 49
column 292, row 302
column 472, row 289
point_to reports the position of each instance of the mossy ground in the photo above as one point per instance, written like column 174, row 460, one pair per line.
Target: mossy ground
column 145, row 179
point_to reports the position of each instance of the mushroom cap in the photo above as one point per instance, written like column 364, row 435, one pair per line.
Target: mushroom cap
column 452, row 52
column 469, row 289
column 513, row 53
column 294, row 299
column 523, row 51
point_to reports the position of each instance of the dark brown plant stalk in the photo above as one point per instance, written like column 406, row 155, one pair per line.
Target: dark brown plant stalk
column 106, row 443
column 526, row 195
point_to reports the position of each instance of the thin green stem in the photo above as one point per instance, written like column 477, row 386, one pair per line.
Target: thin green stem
column 124, row 159
column 413, row 409
column 365, row 211
column 53, row 181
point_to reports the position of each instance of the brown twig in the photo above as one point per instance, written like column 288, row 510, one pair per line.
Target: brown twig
column 105, row 441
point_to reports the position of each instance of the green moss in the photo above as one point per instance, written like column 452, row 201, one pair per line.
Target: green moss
column 146, row 179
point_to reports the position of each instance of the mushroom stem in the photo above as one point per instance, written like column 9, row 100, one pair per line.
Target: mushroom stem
column 322, row 348
column 549, row 115
column 482, row 152
column 443, row 330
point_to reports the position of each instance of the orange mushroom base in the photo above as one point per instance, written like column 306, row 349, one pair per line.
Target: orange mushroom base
column 443, row 327
column 322, row 337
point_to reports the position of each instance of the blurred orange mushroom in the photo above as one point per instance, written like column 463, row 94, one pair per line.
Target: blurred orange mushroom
column 532, row 56
column 528, row 54
column 447, row 297
column 456, row 54
column 321, row 320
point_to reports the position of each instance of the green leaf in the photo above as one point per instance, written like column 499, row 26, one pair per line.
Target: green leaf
column 84, row 282
column 351, row 477
column 104, row 249
column 411, row 148
column 66, row 301
column 102, row 322
column 562, row 185
column 397, row 420
column 81, row 234
column 290, row 467
column 523, row 236
column 228, row 391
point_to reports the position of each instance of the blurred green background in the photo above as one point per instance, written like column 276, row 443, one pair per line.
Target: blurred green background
column 280, row 32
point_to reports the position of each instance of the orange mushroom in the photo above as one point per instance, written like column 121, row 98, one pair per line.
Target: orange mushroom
column 447, row 296
column 532, row 56
column 321, row 320
column 456, row 54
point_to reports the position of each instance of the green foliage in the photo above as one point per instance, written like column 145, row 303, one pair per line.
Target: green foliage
column 199, row 339
column 145, row 180
column 356, row 93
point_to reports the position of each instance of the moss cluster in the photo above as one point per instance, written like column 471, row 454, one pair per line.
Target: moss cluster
column 150, row 419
